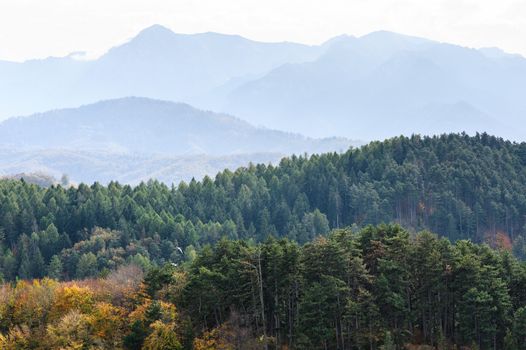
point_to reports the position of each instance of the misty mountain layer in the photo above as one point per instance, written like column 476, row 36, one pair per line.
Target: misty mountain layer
column 157, row 63
column 371, row 87
column 135, row 139
column 385, row 84
column 104, row 167
column 141, row 125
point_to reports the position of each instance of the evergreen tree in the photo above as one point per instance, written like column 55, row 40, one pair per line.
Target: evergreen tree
column 55, row 268
column 87, row 266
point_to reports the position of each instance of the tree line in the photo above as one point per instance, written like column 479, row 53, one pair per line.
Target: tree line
column 378, row 288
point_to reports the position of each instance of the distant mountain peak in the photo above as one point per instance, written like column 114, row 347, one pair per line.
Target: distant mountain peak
column 154, row 34
column 152, row 41
column 155, row 30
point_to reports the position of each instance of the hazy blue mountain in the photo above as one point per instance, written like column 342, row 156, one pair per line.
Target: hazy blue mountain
column 136, row 139
column 146, row 126
column 375, row 86
column 161, row 64
column 385, row 84
column 38, row 85
column 157, row 63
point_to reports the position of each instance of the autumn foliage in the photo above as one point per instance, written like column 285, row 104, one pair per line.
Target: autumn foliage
column 88, row 314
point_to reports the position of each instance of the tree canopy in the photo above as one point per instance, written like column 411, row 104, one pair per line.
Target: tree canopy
column 459, row 186
column 378, row 288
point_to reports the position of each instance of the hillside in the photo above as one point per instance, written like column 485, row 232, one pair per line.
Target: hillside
column 458, row 186
column 145, row 126
column 291, row 236
column 178, row 175
column 379, row 288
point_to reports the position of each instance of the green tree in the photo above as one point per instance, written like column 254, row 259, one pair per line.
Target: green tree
column 519, row 328
column 87, row 266
column 55, row 268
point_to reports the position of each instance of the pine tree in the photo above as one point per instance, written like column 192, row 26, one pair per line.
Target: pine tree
column 55, row 268
column 388, row 342
column 87, row 266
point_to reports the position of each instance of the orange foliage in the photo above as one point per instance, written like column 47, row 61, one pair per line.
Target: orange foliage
column 168, row 312
column 230, row 335
column 503, row 241
column 107, row 323
column 89, row 314
column 498, row 240
column 216, row 339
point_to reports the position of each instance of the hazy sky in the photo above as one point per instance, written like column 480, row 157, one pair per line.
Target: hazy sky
column 40, row 28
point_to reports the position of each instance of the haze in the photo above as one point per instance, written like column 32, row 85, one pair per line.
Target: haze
column 36, row 29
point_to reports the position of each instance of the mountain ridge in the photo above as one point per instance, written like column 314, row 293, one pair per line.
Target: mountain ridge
column 147, row 126
column 335, row 88
column 354, row 87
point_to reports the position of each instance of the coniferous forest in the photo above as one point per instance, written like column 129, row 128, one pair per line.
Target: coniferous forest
column 330, row 251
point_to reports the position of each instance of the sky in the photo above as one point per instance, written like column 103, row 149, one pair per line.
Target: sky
column 42, row 28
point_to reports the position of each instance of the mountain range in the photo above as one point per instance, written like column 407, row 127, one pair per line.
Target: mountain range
column 368, row 87
column 157, row 63
column 385, row 84
column 134, row 139
column 141, row 125
column 348, row 88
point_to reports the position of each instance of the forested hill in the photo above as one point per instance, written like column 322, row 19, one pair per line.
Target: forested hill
column 378, row 288
column 455, row 185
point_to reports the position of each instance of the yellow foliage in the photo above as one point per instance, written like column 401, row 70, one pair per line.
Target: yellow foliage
column 32, row 301
column 72, row 298
column 18, row 338
column 90, row 314
column 163, row 337
column 71, row 332
column 107, row 323
column 216, row 339
column 139, row 314
column 168, row 312
column 6, row 301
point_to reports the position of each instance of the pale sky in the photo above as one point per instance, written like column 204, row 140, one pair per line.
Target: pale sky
column 41, row 28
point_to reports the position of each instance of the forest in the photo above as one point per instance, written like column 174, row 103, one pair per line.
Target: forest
column 378, row 288
column 330, row 251
column 460, row 187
